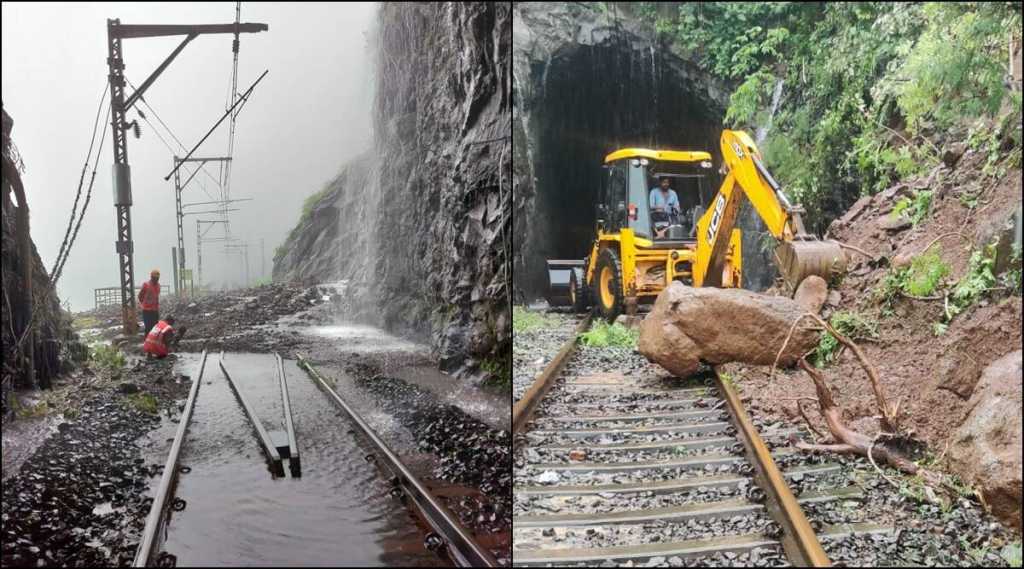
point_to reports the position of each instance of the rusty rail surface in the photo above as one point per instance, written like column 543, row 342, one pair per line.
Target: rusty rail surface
column 524, row 408
column 155, row 520
column 798, row 540
column 463, row 549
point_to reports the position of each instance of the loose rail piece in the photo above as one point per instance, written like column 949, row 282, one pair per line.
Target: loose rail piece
column 268, row 445
column 293, row 448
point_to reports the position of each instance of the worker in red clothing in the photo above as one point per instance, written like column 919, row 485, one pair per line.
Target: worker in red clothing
column 160, row 339
column 149, row 298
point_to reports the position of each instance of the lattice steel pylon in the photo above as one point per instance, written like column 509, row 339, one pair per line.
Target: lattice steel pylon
column 122, row 178
column 118, row 110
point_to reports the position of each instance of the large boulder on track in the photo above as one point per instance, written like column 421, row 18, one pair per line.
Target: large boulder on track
column 986, row 448
column 689, row 326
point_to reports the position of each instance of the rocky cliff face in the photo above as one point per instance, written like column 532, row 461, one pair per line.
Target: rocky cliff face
column 332, row 241
column 431, row 258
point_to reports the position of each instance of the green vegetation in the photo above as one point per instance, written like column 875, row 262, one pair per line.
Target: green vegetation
column 602, row 334
column 312, row 200
column 84, row 322
column 524, row 320
column 957, row 64
column 850, row 324
column 925, row 273
column 865, row 85
column 921, row 278
column 977, row 554
column 1011, row 279
column 976, row 282
column 107, row 356
column 143, row 402
column 1011, row 553
column 915, row 207
column 500, row 370
column 279, row 251
column 727, row 379
column 24, row 411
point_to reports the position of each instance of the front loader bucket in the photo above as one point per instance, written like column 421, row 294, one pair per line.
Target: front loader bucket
column 801, row 259
column 559, row 274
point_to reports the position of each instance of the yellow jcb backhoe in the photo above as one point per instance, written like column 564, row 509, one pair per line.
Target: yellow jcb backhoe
column 638, row 252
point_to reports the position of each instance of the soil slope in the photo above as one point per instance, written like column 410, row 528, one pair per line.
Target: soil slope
column 931, row 376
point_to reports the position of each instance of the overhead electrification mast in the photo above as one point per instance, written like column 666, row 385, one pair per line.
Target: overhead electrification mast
column 119, row 106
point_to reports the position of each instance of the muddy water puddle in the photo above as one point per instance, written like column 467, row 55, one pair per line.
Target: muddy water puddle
column 337, row 514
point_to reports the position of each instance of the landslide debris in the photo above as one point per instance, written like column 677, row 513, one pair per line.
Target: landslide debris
column 943, row 296
column 691, row 326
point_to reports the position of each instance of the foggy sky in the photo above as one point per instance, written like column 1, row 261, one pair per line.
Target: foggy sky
column 308, row 115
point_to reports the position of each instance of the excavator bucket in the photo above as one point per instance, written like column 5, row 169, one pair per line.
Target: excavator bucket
column 801, row 259
column 560, row 272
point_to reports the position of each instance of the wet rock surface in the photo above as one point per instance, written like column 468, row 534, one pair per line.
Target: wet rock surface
column 80, row 500
column 436, row 265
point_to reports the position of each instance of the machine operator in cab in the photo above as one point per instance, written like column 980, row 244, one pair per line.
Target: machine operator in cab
column 664, row 205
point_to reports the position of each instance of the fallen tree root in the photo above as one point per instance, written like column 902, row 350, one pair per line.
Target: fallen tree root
column 889, row 422
column 848, row 441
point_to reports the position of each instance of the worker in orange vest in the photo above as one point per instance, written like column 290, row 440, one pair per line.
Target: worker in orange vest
column 149, row 298
column 160, row 339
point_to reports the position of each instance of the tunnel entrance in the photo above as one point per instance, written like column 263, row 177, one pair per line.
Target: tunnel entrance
column 591, row 101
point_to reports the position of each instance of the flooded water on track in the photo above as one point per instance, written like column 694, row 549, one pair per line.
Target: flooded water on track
column 337, row 514
column 490, row 406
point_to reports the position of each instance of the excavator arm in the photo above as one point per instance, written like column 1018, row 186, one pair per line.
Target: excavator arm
column 799, row 255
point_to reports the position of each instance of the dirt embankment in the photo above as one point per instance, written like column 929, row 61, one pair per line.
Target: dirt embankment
column 929, row 372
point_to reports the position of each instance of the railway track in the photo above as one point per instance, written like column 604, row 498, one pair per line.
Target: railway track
column 632, row 467
column 447, row 536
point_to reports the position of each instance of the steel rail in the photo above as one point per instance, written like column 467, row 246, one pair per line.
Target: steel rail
column 293, row 448
column 154, row 521
column 268, row 445
column 525, row 407
column 462, row 548
column 798, row 539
